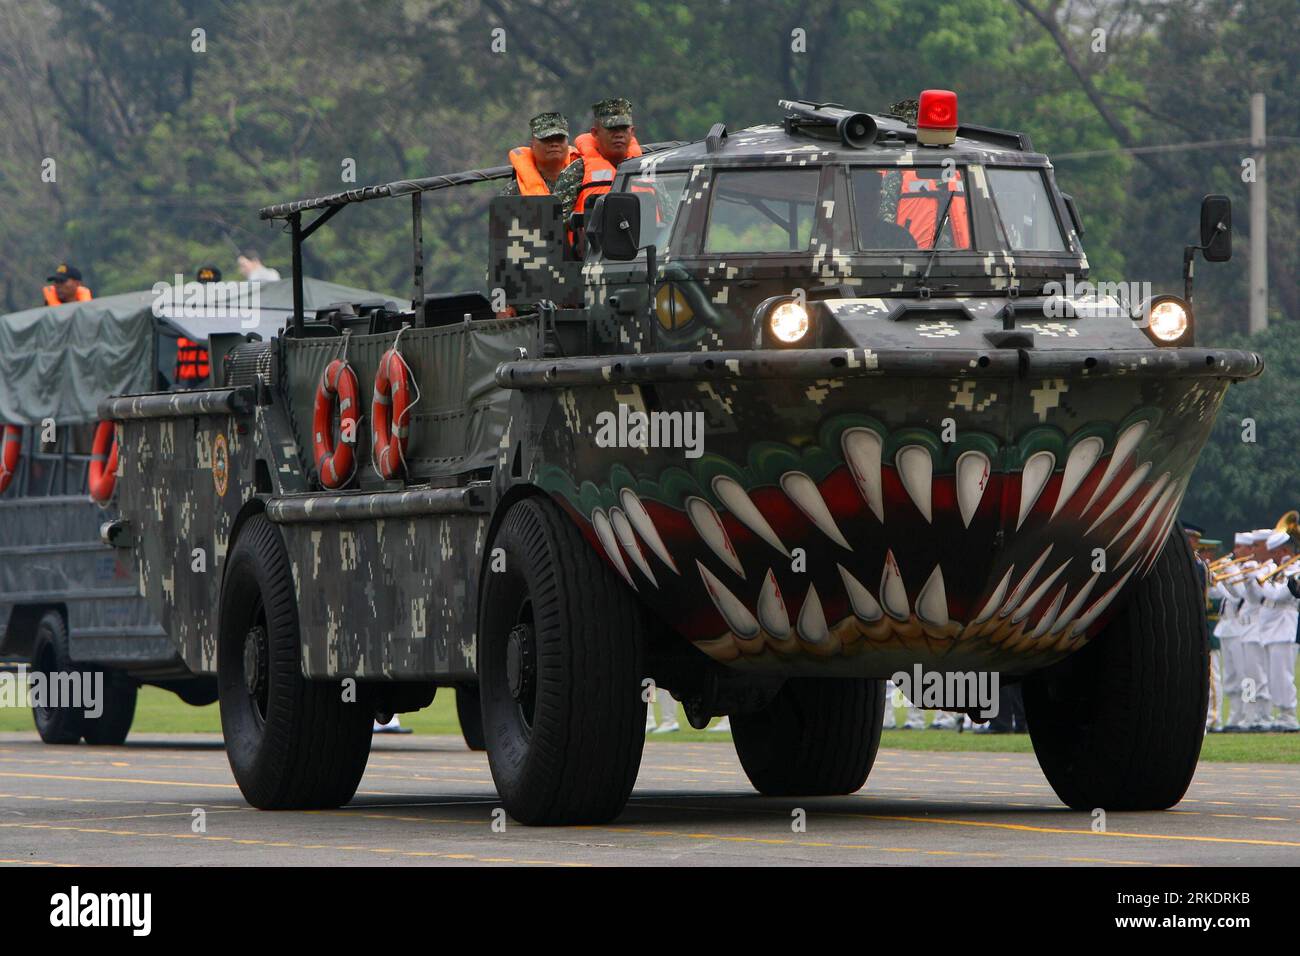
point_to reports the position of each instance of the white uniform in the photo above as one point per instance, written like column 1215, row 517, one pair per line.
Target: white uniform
column 1234, row 620
column 1277, row 643
column 1264, row 618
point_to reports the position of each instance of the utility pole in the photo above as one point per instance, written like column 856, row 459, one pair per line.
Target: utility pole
column 1258, row 219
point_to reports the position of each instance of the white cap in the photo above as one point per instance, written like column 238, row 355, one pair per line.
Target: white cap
column 1243, row 539
column 1276, row 539
column 1261, row 535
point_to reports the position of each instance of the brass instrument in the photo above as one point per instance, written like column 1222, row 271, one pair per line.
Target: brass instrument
column 1290, row 523
column 1280, row 568
column 1232, row 577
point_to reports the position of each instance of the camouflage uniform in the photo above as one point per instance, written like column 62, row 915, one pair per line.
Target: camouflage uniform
column 609, row 114
column 540, row 127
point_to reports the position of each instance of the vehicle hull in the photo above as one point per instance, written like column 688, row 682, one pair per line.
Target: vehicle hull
column 990, row 519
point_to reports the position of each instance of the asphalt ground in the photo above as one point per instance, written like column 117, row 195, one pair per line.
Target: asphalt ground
column 427, row 800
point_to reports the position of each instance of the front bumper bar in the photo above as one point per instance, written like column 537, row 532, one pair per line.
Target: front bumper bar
column 868, row 363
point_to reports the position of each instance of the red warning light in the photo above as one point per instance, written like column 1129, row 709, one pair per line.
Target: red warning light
column 936, row 118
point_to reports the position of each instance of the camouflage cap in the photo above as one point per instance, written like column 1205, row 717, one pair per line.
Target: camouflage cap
column 615, row 111
column 548, row 124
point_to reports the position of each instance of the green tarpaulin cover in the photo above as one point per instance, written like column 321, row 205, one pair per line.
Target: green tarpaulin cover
column 59, row 361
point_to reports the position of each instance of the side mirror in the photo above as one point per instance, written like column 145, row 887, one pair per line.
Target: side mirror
column 1216, row 228
column 617, row 225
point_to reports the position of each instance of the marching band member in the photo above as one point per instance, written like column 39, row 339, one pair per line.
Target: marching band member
column 1257, row 705
column 1282, row 595
column 1233, row 621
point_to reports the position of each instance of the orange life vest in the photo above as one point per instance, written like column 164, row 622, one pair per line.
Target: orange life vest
column 191, row 361
column 597, row 171
column 921, row 200
column 527, row 175
column 52, row 297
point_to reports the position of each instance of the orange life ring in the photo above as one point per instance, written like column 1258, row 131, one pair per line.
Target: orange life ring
column 103, row 462
column 392, row 432
column 11, row 446
column 334, row 465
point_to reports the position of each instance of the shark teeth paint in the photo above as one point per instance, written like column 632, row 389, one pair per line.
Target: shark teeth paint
column 865, row 607
column 1125, row 492
column 709, row 527
column 1033, row 479
column 738, row 617
column 893, row 595
column 862, row 452
column 1128, row 440
column 916, row 471
column 640, row 519
column 932, row 602
column 803, row 491
column 1083, row 456
column 1024, row 584
column 995, row 598
column 737, row 501
column 812, row 619
column 627, row 538
column 606, row 535
column 972, row 479
column 772, row 613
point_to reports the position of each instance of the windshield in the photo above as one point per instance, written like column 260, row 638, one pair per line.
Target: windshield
column 1024, row 210
column 762, row 210
column 897, row 209
column 667, row 190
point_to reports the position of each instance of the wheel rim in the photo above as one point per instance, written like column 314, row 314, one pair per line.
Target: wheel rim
column 256, row 667
column 521, row 664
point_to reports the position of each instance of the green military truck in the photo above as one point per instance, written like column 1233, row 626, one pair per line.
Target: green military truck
column 71, row 602
column 795, row 408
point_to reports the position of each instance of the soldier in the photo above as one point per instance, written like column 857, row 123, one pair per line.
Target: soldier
column 539, row 164
column 65, row 286
column 611, row 140
column 1234, row 619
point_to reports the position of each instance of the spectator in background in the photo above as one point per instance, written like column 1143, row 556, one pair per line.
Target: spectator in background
column 252, row 269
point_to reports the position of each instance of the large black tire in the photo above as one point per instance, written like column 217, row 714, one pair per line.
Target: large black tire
column 1119, row 724
column 564, row 738
column 110, row 728
column 50, row 655
column 469, row 708
column 292, row 743
column 818, row 737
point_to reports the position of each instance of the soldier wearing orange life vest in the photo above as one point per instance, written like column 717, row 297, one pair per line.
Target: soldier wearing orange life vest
column 611, row 140
column 920, row 202
column 539, row 164
column 65, row 286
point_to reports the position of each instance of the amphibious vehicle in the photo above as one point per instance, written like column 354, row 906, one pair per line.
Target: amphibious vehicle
column 797, row 407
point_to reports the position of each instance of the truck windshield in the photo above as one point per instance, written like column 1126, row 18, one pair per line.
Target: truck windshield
column 667, row 190
column 762, row 210
column 897, row 208
column 1025, row 216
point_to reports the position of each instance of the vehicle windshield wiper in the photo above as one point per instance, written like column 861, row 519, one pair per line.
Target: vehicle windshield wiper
column 934, row 243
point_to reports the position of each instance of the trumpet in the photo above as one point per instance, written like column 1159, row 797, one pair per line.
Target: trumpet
column 1281, row 568
column 1221, row 562
column 1240, row 574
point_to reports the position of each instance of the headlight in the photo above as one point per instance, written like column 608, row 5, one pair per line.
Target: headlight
column 1167, row 320
column 789, row 322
